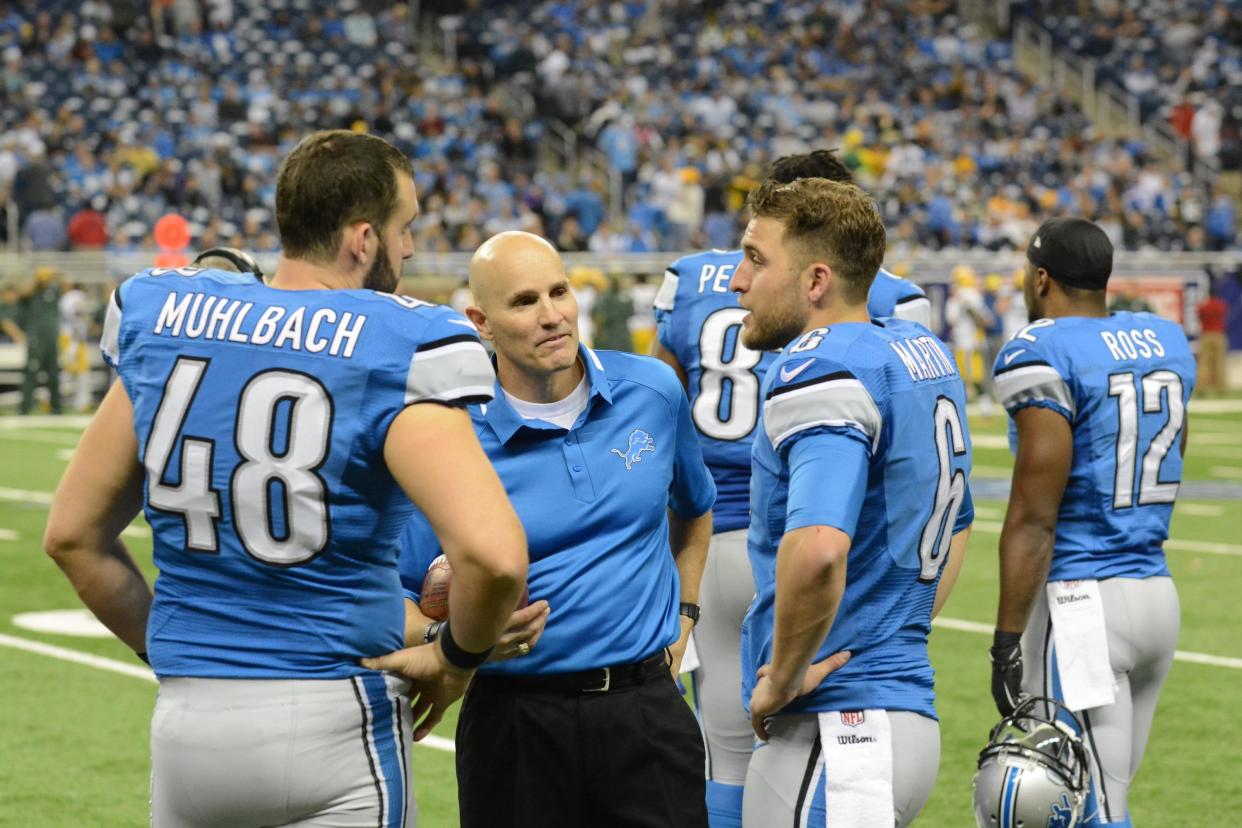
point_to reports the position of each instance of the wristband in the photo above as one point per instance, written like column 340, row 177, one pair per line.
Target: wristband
column 691, row 611
column 456, row 656
column 1005, row 640
column 432, row 632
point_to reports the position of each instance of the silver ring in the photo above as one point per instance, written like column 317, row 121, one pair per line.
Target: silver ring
column 522, row 648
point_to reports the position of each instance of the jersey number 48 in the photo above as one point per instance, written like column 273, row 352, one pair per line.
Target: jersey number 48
column 261, row 472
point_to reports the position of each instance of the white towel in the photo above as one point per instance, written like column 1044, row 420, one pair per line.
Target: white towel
column 858, row 768
column 690, row 659
column 1080, row 635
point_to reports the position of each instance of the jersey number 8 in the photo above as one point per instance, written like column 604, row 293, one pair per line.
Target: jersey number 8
column 295, row 469
column 743, row 409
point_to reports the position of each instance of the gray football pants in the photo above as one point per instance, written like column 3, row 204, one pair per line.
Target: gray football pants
column 1143, row 618
column 786, row 781
column 240, row 753
column 725, row 594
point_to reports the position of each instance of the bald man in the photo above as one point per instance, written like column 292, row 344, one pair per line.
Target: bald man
column 599, row 456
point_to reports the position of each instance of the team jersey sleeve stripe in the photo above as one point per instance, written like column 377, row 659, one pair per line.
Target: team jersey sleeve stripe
column 916, row 308
column 446, row 341
column 841, row 402
column 456, row 372
column 109, row 340
column 1033, row 383
column 667, row 295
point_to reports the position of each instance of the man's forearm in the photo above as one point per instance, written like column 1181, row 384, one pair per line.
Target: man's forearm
column 689, row 539
column 113, row 588
column 810, row 580
column 1025, row 554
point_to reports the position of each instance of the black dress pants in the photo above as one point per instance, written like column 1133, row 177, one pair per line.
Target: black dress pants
column 531, row 755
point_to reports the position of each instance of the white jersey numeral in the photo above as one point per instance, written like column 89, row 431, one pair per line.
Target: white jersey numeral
column 192, row 497
column 1156, row 387
column 950, row 489
column 266, row 472
column 743, row 409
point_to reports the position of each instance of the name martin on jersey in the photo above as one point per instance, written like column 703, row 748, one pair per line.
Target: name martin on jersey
column 923, row 358
column 197, row 315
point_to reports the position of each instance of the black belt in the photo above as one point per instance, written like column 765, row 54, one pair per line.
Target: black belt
column 599, row 680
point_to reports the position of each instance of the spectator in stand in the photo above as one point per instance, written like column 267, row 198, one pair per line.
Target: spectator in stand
column 1213, row 314
column 88, row 228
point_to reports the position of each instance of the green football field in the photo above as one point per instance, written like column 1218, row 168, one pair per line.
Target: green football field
column 74, row 710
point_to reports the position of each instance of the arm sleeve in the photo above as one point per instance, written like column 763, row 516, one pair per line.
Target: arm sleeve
column 449, row 364
column 915, row 308
column 1026, row 375
column 664, row 306
column 417, row 548
column 966, row 512
column 110, row 339
column 827, row 479
column 823, row 394
column 693, row 491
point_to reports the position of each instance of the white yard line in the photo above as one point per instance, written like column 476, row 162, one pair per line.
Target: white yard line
column 1002, row 472
column 1181, row 655
column 1189, row 507
column 55, row 438
column 113, row 666
column 1203, row 437
column 9, row 535
column 1227, row 472
column 1208, row 547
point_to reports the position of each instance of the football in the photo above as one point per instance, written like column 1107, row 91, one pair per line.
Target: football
column 435, row 595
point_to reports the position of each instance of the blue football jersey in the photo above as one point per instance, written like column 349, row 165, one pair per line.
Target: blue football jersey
column 863, row 429
column 1123, row 382
column 894, row 296
column 699, row 322
column 261, row 416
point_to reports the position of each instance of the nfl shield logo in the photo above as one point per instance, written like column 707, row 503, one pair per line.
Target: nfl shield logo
column 853, row 718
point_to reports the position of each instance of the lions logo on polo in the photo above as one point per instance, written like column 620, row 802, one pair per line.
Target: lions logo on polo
column 640, row 441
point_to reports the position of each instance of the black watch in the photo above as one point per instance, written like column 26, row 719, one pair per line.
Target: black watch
column 432, row 631
column 691, row 611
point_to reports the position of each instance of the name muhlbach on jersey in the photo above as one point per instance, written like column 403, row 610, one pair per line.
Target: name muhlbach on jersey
column 200, row 316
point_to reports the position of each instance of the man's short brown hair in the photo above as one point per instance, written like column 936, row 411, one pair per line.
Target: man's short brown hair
column 329, row 181
column 831, row 222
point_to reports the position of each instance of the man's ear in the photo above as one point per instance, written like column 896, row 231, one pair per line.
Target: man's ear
column 1043, row 282
column 360, row 239
column 820, row 281
column 479, row 318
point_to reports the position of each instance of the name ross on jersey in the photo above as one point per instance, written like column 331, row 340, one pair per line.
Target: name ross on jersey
column 923, row 358
column 1131, row 344
column 715, row 278
column 196, row 315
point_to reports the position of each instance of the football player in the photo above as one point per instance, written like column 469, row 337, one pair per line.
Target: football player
column 272, row 434
column 861, row 464
column 1098, row 405
column 699, row 321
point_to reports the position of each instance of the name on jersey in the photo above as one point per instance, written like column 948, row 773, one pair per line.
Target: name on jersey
column 1131, row 344
column 201, row 316
column 923, row 358
column 715, row 279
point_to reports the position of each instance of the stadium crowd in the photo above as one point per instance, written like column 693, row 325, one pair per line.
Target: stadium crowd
column 114, row 114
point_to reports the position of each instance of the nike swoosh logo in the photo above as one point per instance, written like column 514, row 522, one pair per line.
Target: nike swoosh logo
column 1011, row 356
column 787, row 374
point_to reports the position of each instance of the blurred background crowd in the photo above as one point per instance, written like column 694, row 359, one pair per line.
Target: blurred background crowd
column 114, row 112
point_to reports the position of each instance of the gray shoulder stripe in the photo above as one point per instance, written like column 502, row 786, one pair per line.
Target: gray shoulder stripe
column 109, row 340
column 1033, row 383
column 667, row 295
column 837, row 402
column 448, row 373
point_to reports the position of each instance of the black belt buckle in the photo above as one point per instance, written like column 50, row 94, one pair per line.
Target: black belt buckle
column 603, row 688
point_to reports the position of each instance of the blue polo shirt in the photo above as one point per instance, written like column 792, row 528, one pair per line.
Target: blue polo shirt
column 593, row 500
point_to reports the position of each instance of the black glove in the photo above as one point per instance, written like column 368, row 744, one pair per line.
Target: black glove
column 1006, row 654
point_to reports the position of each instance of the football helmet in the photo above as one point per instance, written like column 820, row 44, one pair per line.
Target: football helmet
column 234, row 259
column 1034, row 771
